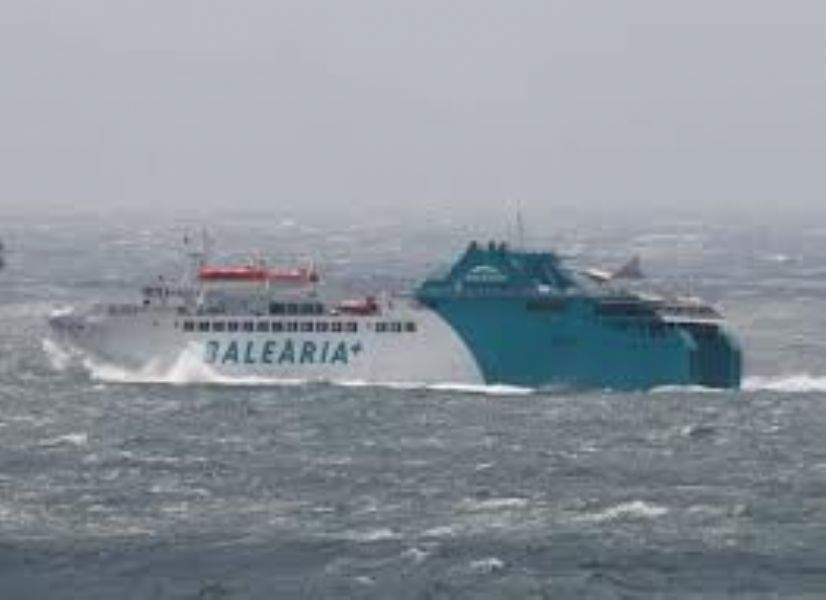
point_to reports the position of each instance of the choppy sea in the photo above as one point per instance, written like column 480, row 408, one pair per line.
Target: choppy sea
column 113, row 486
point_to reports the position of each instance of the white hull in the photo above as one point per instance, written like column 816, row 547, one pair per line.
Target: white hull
column 425, row 350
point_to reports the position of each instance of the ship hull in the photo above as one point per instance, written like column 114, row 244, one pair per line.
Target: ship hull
column 404, row 346
column 493, row 341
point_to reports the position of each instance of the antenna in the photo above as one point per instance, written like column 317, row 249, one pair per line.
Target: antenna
column 520, row 226
column 198, row 255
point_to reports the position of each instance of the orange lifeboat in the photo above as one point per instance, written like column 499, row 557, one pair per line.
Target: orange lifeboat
column 257, row 274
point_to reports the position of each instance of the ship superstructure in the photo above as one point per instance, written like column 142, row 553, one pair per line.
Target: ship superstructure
column 498, row 316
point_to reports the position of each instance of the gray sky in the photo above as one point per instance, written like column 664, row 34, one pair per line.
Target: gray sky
column 457, row 106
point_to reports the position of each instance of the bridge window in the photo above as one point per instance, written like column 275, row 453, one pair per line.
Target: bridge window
column 321, row 326
column 292, row 326
column 352, row 327
column 277, row 326
column 337, row 327
column 232, row 326
column 277, row 308
column 189, row 326
column 262, row 326
column 396, row 327
column 292, row 309
column 307, row 326
column 410, row 327
column 249, row 326
column 203, row 326
column 218, row 326
column 381, row 327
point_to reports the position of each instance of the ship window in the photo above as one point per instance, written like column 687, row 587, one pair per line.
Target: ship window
column 336, row 327
column 381, row 327
column 307, row 326
column 321, row 326
column 396, row 327
column 292, row 309
column 277, row 308
column 277, row 326
column 232, row 326
column 292, row 326
column 352, row 327
column 249, row 326
column 623, row 309
column 262, row 326
column 203, row 326
column 410, row 327
column 189, row 326
column 218, row 326
column 311, row 309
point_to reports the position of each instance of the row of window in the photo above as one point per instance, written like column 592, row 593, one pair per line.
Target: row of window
column 395, row 327
column 623, row 309
column 292, row 308
column 648, row 329
column 294, row 326
column 271, row 326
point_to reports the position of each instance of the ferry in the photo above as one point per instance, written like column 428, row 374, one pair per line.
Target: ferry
column 497, row 315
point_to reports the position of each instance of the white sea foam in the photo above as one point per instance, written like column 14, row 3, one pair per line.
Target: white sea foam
column 466, row 388
column 373, row 535
column 59, row 358
column 796, row 383
column 415, row 555
column 442, row 531
column 495, row 504
column 488, row 565
column 635, row 509
column 685, row 389
column 70, row 439
column 186, row 369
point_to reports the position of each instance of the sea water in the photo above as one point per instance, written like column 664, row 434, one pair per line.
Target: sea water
column 174, row 483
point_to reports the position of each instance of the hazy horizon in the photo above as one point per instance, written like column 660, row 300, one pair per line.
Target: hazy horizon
column 414, row 109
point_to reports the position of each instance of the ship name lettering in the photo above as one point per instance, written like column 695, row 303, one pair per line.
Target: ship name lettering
column 276, row 352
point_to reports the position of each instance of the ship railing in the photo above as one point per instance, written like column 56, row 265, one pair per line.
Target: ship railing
column 702, row 311
column 527, row 292
column 163, row 292
column 122, row 309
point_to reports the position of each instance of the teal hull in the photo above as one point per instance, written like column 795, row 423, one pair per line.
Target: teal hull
column 528, row 322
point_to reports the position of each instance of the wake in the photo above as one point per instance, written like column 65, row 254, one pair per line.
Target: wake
column 189, row 369
column 792, row 383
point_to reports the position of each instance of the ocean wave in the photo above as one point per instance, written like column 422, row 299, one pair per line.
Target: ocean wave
column 380, row 534
column 486, row 566
column 188, row 369
column 467, row 388
column 493, row 504
column 685, row 389
column 59, row 357
column 633, row 510
column 69, row 439
column 794, row 383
